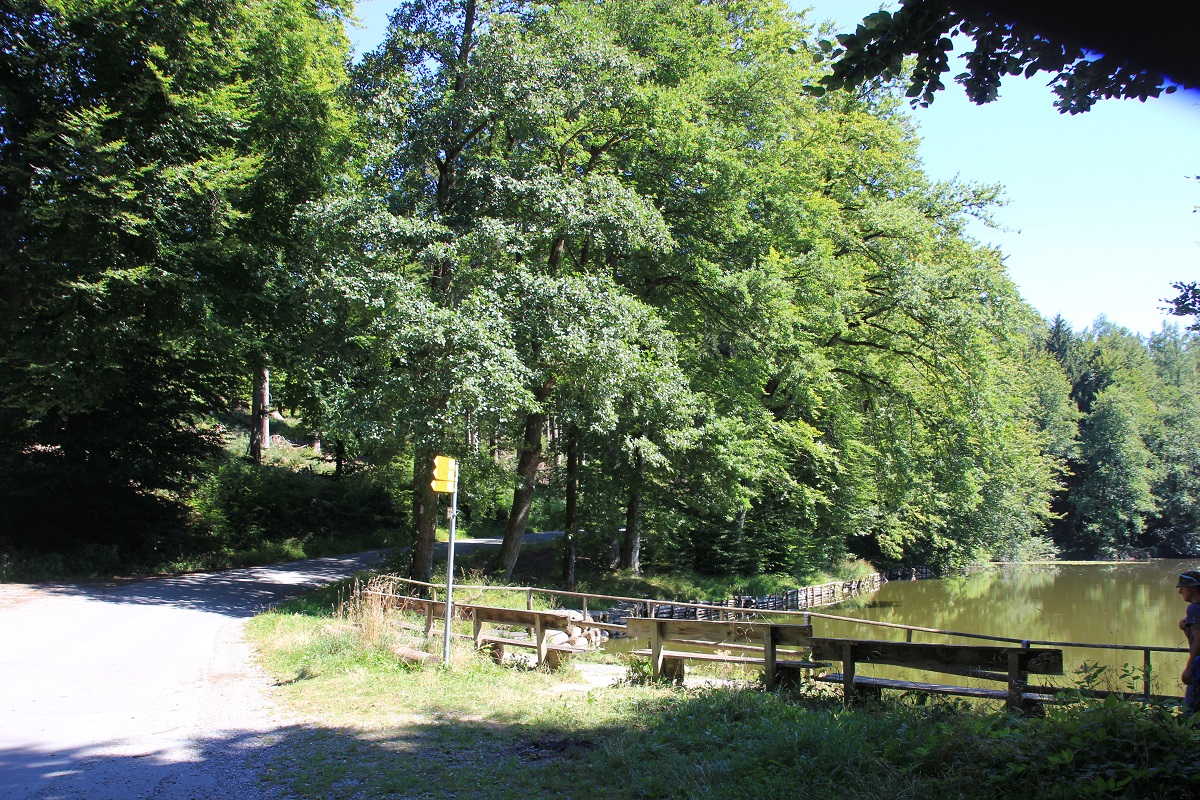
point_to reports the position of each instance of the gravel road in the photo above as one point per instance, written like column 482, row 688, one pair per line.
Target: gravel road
column 142, row 690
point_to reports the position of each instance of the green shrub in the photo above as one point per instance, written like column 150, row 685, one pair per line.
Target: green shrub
column 243, row 506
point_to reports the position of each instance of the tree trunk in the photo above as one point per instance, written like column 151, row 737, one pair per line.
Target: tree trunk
column 739, row 546
column 339, row 457
column 528, row 462
column 557, row 248
column 570, row 522
column 260, row 413
column 424, row 515
column 454, row 142
column 631, row 548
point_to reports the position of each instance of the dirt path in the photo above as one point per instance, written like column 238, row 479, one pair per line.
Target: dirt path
column 143, row 690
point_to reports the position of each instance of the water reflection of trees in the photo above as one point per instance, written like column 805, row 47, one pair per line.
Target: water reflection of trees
column 1043, row 602
column 1103, row 604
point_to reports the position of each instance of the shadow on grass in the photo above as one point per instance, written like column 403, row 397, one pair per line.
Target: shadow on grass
column 716, row 744
column 441, row 758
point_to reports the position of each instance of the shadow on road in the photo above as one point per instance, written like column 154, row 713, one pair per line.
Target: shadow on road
column 441, row 758
column 237, row 594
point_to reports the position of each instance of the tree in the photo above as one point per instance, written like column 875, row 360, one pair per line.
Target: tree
column 1114, row 500
column 1187, row 302
column 149, row 164
column 1091, row 55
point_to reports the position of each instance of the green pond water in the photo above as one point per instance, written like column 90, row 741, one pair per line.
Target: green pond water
column 1114, row 604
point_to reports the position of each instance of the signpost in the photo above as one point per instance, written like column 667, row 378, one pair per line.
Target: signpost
column 445, row 480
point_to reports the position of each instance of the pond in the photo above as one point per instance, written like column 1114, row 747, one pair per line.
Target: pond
column 1126, row 603
column 1114, row 604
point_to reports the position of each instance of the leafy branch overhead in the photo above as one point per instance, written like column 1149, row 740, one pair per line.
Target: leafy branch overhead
column 1145, row 50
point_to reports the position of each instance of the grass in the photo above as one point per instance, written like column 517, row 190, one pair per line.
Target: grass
column 379, row 728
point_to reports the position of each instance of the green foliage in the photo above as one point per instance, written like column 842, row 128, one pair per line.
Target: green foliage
column 242, row 505
column 1132, row 466
column 149, row 166
column 621, row 228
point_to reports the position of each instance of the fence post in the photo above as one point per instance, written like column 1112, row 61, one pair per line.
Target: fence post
column 1146, row 674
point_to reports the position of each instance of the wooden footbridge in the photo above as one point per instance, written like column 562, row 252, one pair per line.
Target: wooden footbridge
column 780, row 641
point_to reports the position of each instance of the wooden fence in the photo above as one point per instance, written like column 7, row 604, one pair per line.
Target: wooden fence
column 784, row 605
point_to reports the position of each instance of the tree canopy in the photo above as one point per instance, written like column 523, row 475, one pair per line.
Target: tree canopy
column 614, row 257
column 1142, row 52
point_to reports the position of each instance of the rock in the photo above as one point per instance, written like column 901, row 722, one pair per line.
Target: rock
column 574, row 632
column 556, row 637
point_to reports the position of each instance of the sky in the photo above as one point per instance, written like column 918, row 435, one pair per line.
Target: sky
column 1100, row 207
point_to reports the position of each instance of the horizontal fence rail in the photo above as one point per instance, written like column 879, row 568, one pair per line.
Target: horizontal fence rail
column 788, row 604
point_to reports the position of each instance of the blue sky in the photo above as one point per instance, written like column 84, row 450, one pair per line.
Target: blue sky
column 1100, row 206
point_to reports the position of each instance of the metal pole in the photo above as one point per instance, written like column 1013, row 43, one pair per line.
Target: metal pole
column 450, row 573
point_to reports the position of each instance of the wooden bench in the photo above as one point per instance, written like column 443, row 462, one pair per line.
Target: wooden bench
column 1011, row 665
column 759, row 640
column 538, row 623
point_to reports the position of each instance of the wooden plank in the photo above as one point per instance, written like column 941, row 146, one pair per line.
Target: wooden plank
column 486, row 640
column 769, row 674
column 684, row 654
column 847, row 657
column 721, row 632
column 476, row 627
column 656, row 648
column 729, row 659
column 740, row 648
column 522, row 617
column 936, row 688
column 561, row 648
column 936, row 657
column 1016, row 681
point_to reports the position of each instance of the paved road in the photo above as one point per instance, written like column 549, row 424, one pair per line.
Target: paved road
column 142, row 690
column 470, row 545
column 147, row 689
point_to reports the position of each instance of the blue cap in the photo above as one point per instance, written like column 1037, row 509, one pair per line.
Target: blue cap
column 1189, row 578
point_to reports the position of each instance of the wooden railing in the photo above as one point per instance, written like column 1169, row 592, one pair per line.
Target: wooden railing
column 654, row 609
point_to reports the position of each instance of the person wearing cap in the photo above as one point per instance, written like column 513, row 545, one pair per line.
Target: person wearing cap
column 1189, row 589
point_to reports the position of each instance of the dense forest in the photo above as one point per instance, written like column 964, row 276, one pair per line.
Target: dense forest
column 616, row 256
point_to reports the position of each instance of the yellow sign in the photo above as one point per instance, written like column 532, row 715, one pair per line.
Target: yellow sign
column 445, row 474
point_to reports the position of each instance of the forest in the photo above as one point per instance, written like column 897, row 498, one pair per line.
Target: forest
column 618, row 257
